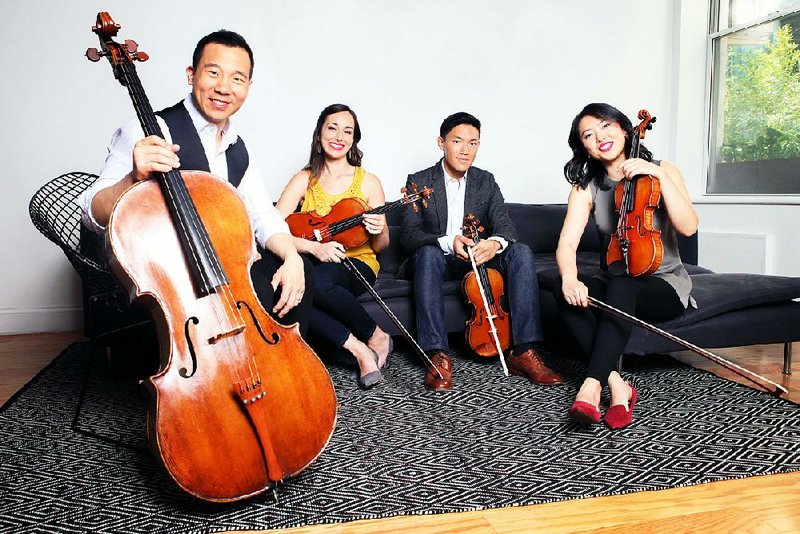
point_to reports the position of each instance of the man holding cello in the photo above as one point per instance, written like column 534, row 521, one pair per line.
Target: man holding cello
column 442, row 253
column 200, row 136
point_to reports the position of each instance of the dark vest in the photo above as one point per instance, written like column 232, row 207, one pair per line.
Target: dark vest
column 192, row 155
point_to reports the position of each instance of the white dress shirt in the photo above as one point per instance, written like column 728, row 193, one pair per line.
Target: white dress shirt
column 456, row 189
column 265, row 218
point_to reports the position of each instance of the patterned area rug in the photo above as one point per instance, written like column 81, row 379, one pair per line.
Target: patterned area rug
column 398, row 449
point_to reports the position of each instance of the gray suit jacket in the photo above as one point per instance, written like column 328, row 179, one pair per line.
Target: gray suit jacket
column 482, row 198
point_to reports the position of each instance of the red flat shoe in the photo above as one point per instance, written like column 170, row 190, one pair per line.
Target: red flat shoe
column 617, row 416
column 584, row 413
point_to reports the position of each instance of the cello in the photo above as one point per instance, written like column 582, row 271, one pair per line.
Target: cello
column 635, row 247
column 488, row 332
column 240, row 402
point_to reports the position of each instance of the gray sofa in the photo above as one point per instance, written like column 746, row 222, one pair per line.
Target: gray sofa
column 733, row 309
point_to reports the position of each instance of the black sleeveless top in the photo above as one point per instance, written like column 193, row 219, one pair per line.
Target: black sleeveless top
column 193, row 156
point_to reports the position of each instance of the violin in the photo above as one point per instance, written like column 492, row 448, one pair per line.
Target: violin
column 488, row 331
column 635, row 247
column 343, row 222
column 240, row 402
column 343, row 225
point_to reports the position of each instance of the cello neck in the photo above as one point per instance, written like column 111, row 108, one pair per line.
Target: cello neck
column 204, row 266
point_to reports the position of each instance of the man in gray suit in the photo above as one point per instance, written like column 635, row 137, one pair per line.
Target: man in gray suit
column 440, row 253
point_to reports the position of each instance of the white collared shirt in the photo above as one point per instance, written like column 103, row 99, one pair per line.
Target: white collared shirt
column 456, row 189
column 265, row 218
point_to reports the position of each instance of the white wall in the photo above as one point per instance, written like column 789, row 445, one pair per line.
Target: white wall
column 525, row 68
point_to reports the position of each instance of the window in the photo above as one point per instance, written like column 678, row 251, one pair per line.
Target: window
column 755, row 98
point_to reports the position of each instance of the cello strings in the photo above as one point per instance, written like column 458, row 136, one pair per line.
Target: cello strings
column 174, row 188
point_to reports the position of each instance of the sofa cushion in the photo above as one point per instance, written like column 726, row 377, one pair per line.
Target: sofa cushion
column 717, row 293
column 539, row 226
column 392, row 256
column 389, row 287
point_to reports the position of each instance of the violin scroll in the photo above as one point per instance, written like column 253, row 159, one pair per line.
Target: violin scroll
column 415, row 196
column 646, row 123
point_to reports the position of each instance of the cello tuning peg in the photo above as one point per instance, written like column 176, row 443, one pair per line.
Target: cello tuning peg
column 415, row 208
column 424, row 203
column 403, row 190
column 414, row 188
column 94, row 55
column 141, row 56
column 131, row 45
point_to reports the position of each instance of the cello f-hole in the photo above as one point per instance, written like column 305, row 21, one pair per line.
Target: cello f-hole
column 187, row 332
column 273, row 339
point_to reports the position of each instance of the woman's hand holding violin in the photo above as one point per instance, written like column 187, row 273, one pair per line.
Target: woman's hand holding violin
column 636, row 166
column 575, row 292
column 331, row 251
column 374, row 223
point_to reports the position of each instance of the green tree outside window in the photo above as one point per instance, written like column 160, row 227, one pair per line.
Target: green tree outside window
column 762, row 101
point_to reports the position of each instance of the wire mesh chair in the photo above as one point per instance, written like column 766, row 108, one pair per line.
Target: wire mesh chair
column 55, row 214
column 108, row 321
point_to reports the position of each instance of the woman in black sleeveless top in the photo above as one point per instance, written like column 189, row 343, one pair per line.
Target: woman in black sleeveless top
column 599, row 139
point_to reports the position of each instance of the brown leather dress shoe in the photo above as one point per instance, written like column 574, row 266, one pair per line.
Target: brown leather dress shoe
column 444, row 364
column 530, row 365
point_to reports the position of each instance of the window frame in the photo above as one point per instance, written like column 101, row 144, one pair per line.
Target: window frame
column 715, row 36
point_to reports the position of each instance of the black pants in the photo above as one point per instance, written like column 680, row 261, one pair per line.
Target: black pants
column 262, row 272
column 602, row 336
column 337, row 312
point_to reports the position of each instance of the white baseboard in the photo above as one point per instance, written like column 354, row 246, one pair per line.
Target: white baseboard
column 34, row 320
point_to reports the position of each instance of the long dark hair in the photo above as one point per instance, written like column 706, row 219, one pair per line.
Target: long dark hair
column 582, row 169
column 316, row 160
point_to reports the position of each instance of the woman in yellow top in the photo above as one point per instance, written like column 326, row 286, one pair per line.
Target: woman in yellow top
column 333, row 172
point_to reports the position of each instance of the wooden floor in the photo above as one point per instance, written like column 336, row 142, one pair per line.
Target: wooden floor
column 757, row 504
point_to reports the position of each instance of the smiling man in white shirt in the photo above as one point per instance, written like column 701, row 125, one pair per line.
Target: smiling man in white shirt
column 200, row 136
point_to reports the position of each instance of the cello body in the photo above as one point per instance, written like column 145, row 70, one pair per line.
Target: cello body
column 233, row 410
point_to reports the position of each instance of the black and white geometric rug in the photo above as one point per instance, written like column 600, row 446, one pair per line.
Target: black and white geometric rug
column 398, row 449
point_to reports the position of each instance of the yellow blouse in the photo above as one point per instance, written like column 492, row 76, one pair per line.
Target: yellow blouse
column 317, row 199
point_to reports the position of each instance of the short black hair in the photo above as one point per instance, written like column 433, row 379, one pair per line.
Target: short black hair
column 226, row 38
column 457, row 119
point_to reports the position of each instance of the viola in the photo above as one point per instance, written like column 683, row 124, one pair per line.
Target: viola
column 240, row 402
column 343, row 222
column 635, row 247
column 488, row 331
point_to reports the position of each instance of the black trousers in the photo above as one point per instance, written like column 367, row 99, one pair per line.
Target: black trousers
column 262, row 272
column 337, row 312
column 602, row 336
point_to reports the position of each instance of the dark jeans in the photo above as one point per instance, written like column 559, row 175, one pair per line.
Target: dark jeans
column 262, row 272
column 518, row 267
column 602, row 336
column 336, row 311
